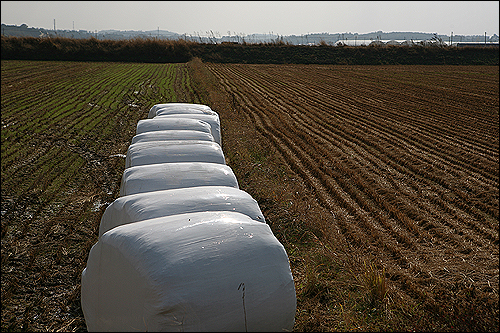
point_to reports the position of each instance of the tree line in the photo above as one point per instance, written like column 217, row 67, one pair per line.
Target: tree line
column 151, row 50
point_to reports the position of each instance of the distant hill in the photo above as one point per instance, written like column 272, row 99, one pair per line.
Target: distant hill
column 24, row 31
column 314, row 38
column 119, row 34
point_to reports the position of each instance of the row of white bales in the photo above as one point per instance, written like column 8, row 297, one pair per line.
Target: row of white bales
column 183, row 248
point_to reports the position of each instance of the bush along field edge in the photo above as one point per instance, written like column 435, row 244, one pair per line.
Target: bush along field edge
column 172, row 51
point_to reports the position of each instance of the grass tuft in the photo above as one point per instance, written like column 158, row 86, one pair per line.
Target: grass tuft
column 373, row 280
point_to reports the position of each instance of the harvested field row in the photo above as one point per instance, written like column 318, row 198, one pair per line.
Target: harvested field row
column 404, row 158
column 64, row 127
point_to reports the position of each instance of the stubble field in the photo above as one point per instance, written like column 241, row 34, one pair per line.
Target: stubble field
column 380, row 181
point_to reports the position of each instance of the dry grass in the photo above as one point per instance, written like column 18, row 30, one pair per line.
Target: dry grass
column 342, row 281
column 373, row 280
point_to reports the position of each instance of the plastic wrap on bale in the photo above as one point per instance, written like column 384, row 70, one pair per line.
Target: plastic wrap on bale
column 173, row 151
column 167, row 135
column 209, row 271
column 144, row 206
column 185, row 110
column 213, row 120
column 172, row 123
column 166, row 176
column 180, row 107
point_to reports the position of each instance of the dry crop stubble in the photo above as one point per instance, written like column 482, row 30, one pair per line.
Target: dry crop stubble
column 405, row 158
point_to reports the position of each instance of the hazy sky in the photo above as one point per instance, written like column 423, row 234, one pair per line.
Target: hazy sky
column 248, row 17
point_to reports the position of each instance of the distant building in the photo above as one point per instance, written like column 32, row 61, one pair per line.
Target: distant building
column 407, row 43
column 392, row 42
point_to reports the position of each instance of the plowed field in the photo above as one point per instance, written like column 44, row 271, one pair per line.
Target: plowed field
column 405, row 160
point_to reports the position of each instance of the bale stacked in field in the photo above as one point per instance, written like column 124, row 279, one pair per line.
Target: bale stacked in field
column 171, row 151
column 211, row 119
column 186, row 110
column 166, row 176
column 148, row 205
column 181, row 108
column 177, row 123
column 172, row 135
column 183, row 248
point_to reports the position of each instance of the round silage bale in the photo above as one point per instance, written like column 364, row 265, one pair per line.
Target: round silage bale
column 212, row 119
column 207, row 271
column 172, row 123
column 166, row 176
column 184, row 109
column 167, row 135
column 175, row 107
column 144, row 206
column 173, row 151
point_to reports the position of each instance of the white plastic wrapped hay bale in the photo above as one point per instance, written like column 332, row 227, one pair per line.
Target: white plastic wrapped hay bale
column 208, row 271
column 173, row 151
column 188, row 109
column 168, row 135
column 213, row 120
column 172, row 123
column 166, row 176
column 185, row 107
column 144, row 206
column 171, row 110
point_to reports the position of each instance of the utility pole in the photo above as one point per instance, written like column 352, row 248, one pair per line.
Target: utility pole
column 54, row 25
column 485, row 37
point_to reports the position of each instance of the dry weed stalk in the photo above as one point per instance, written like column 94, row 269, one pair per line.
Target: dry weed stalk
column 373, row 280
